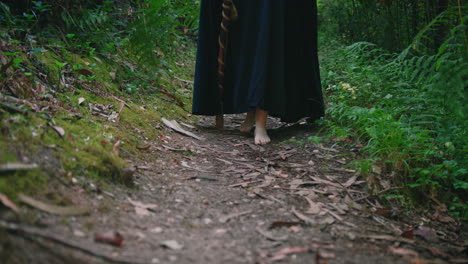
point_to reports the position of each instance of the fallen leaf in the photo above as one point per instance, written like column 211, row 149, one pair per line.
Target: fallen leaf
column 329, row 149
column 283, row 253
column 295, row 183
column 172, row 244
column 437, row 252
column 255, row 147
column 176, row 127
column 243, row 184
column 252, row 176
column 280, row 224
column 340, row 207
column 116, row 148
column 295, row 229
column 112, row 238
column 403, row 251
column 408, row 234
column 426, row 233
column 226, row 218
column 270, row 236
column 81, row 100
column 122, row 101
column 220, row 231
column 257, row 192
column 303, row 217
column 376, row 169
column 351, row 181
column 85, row 72
column 317, row 244
column 113, row 117
column 59, row 130
column 79, row 233
column 142, row 209
column 121, row 106
column 268, row 181
column 5, row 201
column 319, row 180
column 387, row 238
column 383, row 212
column 53, row 209
column 199, row 178
column 326, row 255
column 17, row 166
column 441, row 214
column 143, row 148
column 314, row 207
column 327, row 220
column 157, row 230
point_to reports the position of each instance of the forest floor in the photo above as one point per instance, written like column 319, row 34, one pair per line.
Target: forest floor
column 222, row 199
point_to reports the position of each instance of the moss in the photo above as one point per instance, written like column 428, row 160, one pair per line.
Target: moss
column 24, row 181
column 6, row 155
column 86, row 149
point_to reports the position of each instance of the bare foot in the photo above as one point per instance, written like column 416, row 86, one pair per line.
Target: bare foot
column 220, row 122
column 261, row 136
column 248, row 122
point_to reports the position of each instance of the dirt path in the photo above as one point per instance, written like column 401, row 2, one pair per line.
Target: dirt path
column 225, row 200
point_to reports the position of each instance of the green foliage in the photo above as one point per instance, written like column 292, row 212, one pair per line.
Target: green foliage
column 61, row 52
column 390, row 24
column 410, row 108
column 160, row 27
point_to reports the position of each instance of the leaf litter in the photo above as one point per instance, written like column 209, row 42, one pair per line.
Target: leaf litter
column 326, row 198
column 111, row 237
column 8, row 203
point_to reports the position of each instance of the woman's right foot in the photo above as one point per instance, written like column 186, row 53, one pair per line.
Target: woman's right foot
column 261, row 136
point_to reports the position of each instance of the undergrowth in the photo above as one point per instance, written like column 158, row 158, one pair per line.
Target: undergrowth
column 71, row 69
column 410, row 109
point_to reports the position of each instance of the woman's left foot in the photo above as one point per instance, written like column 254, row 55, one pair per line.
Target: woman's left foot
column 248, row 123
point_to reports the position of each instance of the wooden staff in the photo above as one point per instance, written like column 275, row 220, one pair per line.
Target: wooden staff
column 229, row 15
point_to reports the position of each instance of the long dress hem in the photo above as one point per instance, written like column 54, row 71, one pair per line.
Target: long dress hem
column 271, row 60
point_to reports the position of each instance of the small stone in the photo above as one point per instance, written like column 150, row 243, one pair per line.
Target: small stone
column 351, row 236
column 79, row 233
column 172, row 244
column 207, row 221
column 220, row 231
column 156, row 230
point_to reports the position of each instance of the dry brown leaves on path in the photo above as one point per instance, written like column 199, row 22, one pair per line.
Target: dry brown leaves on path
column 225, row 200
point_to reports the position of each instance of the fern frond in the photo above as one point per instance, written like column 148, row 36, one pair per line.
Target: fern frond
column 151, row 33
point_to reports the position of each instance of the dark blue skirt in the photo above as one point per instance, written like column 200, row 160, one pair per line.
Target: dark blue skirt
column 271, row 60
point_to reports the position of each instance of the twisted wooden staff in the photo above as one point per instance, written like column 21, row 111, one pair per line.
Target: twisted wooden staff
column 229, row 15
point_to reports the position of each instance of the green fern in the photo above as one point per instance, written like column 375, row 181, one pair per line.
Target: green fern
column 152, row 33
column 88, row 20
column 413, row 113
